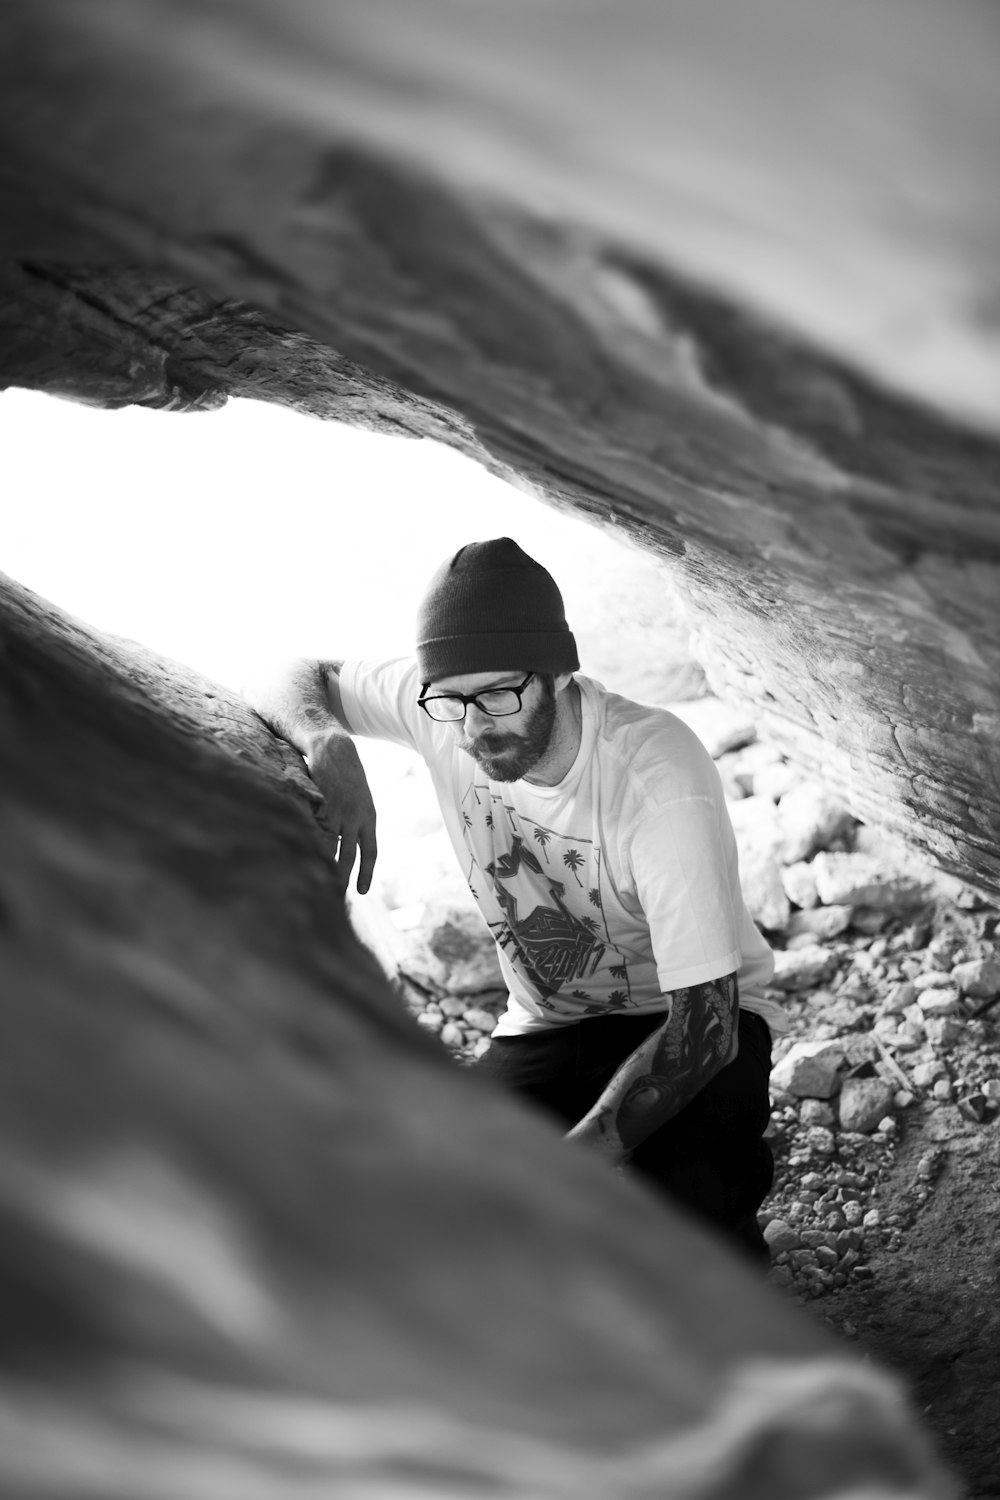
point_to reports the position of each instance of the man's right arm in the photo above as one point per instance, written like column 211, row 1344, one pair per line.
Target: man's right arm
column 301, row 702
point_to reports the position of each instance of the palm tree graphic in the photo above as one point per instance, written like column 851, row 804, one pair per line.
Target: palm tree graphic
column 573, row 859
column 542, row 837
column 595, row 896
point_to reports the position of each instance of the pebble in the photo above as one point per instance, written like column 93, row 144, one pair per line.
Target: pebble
column 452, row 1034
column 479, row 1019
column 453, row 1005
column 430, row 1020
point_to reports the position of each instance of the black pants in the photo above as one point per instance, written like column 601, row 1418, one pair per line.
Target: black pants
column 710, row 1157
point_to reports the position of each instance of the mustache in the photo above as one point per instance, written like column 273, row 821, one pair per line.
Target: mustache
column 488, row 743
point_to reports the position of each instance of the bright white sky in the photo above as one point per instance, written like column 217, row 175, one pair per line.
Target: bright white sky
column 216, row 537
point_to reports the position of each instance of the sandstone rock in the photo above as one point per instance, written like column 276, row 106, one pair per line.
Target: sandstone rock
column 809, row 1070
column 758, row 838
column 864, row 1103
column 799, row 882
column 452, row 950
column 861, row 880
column 810, row 817
column 803, row 968
column 774, row 779
column 821, row 923
column 978, row 978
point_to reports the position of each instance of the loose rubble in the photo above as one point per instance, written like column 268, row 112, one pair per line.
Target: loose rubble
column 889, row 975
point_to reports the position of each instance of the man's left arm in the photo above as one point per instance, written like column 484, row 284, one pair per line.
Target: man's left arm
column 666, row 1071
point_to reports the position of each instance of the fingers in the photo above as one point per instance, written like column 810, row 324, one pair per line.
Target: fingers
column 369, row 853
column 345, row 858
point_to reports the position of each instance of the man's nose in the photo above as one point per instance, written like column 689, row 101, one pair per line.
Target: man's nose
column 475, row 720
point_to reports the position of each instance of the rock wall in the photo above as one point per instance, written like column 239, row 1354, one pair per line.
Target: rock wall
column 718, row 275
column 260, row 1236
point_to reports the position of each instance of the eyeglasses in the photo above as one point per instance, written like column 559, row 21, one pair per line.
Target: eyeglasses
column 497, row 702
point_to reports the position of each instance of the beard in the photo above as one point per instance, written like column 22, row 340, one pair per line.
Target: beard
column 508, row 757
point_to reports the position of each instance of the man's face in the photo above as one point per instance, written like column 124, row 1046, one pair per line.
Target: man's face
column 507, row 748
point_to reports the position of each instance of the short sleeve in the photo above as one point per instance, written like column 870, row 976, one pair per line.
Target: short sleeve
column 683, row 860
column 380, row 702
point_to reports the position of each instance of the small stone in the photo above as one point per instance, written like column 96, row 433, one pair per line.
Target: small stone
column 991, row 1090
column 782, row 1276
column 453, row 1005
column 803, row 968
column 925, row 1073
column 943, row 1090
column 863, row 1103
column 978, row 978
column 939, row 1002
column 452, row 1034
column 853, row 1213
column 780, row 1237
column 820, row 922
column 887, row 1126
column 809, row 1070
column 479, row 1019
column 816, row 1112
column 899, row 997
column 799, row 882
column 872, row 1218
column 821, row 1142
column 942, row 1031
column 430, row 1020
column 902, row 1099
column 973, row 1107
column 481, row 1047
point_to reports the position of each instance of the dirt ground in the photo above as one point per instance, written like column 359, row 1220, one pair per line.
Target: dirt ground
column 931, row 1310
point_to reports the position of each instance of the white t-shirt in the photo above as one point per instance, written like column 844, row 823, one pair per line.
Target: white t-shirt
column 605, row 892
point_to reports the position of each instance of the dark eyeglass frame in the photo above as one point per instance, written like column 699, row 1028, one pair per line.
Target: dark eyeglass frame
column 466, row 698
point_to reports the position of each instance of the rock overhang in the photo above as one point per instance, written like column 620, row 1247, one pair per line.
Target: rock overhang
column 398, row 250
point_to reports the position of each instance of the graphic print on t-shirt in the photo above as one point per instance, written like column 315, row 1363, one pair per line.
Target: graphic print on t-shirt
column 540, row 892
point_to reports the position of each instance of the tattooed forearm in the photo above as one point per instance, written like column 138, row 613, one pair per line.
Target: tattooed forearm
column 667, row 1070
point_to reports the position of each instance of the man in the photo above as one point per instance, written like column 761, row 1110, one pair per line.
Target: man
column 595, row 838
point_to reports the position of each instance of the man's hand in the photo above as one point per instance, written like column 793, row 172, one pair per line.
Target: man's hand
column 348, row 809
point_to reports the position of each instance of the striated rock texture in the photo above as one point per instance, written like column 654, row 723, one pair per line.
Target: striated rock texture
column 260, row 1236
column 722, row 276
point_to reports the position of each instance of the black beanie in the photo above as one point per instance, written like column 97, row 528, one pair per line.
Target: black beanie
column 492, row 608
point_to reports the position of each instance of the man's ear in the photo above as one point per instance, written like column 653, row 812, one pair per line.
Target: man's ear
column 563, row 680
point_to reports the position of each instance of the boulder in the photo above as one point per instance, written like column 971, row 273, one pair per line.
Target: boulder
column 865, row 881
column 451, row 950
column 719, row 725
column 810, row 818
